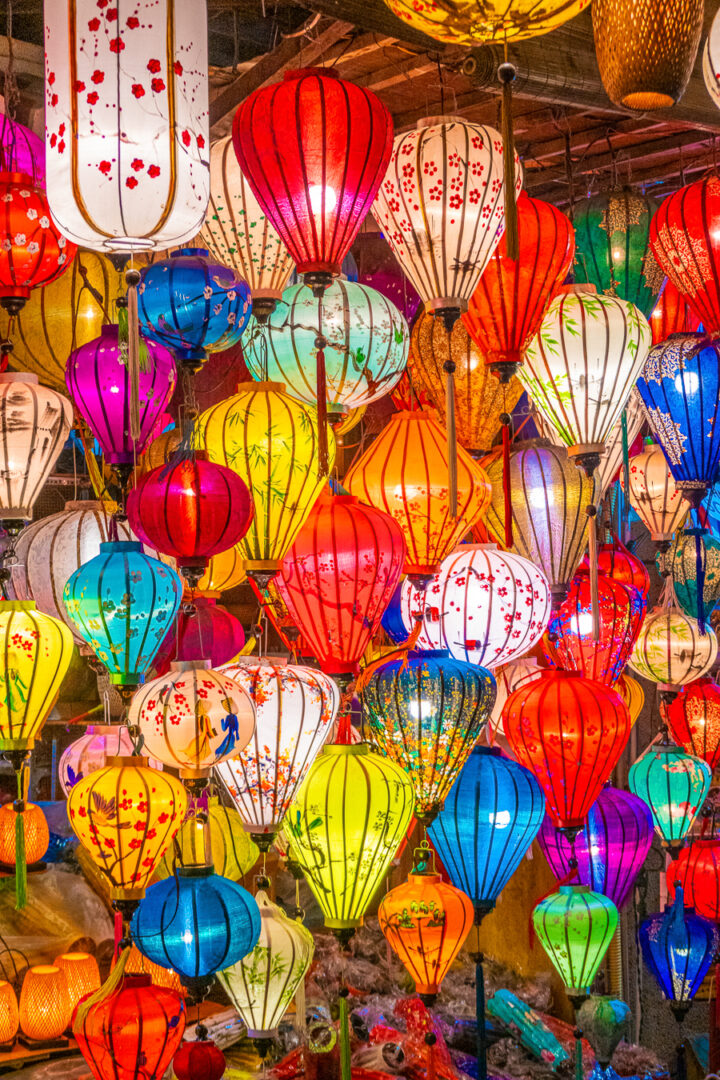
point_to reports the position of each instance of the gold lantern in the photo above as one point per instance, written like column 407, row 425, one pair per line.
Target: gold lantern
column 469, row 22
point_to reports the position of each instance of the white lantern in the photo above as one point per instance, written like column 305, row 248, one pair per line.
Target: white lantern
column 295, row 709
column 192, row 717
column 580, row 367
column 239, row 235
column 91, row 752
column 711, row 61
column 262, row 984
column 671, row 651
column 441, row 207
column 126, row 122
column 653, row 495
column 35, row 422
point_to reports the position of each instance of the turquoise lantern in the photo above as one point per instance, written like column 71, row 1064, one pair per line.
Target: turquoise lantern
column 674, row 785
column 693, row 563
column 122, row 603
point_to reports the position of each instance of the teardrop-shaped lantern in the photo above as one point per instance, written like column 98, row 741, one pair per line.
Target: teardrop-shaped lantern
column 654, row 495
column 575, row 927
column 674, row 784
column 694, row 720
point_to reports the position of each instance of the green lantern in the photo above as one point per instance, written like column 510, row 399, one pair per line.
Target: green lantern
column 693, row 563
column 674, row 785
column 425, row 712
column 611, row 246
column 604, row 1022
column 344, row 827
column 575, row 927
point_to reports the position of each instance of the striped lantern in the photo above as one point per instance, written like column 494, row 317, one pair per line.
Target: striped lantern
column 678, row 947
column 615, row 560
column 239, row 235
column 21, row 151
column 232, row 852
column 654, row 496
column 262, row 985
column 295, row 709
column 674, row 785
column 693, row 563
column 697, row 868
column 581, row 381
column 575, row 927
column 549, row 498
column 35, row 422
column 632, row 693
column 672, row 315
column 225, row 571
column 694, row 720
column 671, row 651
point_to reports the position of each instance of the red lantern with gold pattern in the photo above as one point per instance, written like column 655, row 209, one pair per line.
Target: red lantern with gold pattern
column 693, row 717
column 618, row 563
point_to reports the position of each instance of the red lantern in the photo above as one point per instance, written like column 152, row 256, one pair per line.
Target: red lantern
column 338, row 578
column 507, row 307
column 133, row 1032
column 685, row 240
column 191, row 510
column 697, row 868
column 570, row 640
column 203, row 630
column 33, row 251
column 314, row 149
column 620, row 564
column 672, row 315
column 570, row 732
column 199, row 1060
column 694, row 720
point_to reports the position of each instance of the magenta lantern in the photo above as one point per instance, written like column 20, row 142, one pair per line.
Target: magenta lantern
column 203, row 630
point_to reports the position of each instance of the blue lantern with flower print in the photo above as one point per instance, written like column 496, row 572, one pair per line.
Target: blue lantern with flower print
column 678, row 947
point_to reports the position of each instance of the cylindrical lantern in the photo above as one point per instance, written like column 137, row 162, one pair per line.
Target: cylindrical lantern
column 697, row 868
column 45, row 1008
column 232, row 851
column 314, row 149
column 126, row 816
column 575, row 927
column 671, row 315
column 81, row 975
column 404, row 472
column 678, row 947
column 671, row 650
column 674, row 784
column 694, row 720
column 34, row 423
column 654, row 496
column 295, row 712
column 465, row 22
column 126, row 124
column 203, row 629
column 425, row 712
column 92, row 751
column 262, row 984
column 570, row 732
column 35, row 832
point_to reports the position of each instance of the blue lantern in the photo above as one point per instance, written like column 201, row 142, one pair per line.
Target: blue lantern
column 192, row 305
column 196, row 923
column 680, row 387
column 392, row 620
column 491, row 816
column 122, row 603
column 678, row 947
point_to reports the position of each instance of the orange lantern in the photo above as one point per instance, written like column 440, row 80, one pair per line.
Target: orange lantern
column 82, row 975
column 404, row 472
column 9, row 1017
column 37, row 833
column 44, row 1004
column 137, row 964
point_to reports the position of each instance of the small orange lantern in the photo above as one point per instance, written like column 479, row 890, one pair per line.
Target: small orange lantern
column 44, row 1004
column 82, row 975
column 9, row 1016
column 37, row 833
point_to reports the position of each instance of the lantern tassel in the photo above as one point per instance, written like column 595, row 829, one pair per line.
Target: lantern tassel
column 505, row 421
column 345, row 1068
column 132, row 280
column 593, row 555
column 449, row 367
column 506, row 74
column 20, row 860
column 113, row 980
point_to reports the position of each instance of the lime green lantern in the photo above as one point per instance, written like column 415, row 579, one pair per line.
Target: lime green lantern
column 344, row 827
column 674, row 785
column 232, row 849
column 575, row 927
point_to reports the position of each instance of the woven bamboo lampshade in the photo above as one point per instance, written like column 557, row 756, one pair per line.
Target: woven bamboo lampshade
column 81, row 975
column 9, row 1018
column 44, row 1003
column 646, row 50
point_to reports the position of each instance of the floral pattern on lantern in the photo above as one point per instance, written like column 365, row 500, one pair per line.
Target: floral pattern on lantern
column 697, row 868
column 467, row 22
column 694, row 720
column 671, row 650
column 33, row 251
column 654, row 496
column 575, row 927
column 693, row 563
column 92, row 752
column 35, row 423
column 674, row 784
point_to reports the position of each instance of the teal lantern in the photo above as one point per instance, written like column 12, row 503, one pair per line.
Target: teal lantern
column 122, row 603
column 575, row 927
column 366, row 344
column 611, row 246
column 674, row 785
column 693, row 563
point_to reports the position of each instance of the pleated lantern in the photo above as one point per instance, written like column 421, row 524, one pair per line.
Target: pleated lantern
column 232, row 851
column 672, row 315
column 570, row 732
column 646, row 51
column 675, row 785
column 203, row 628
column 678, row 948
column 694, row 720
column 697, row 868
column 126, row 816
column 671, row 650
column 35, row 422
column 575, row 927
column 21, row 150
column 92, row 751
column 467, row 22
column 262, row 985
column 404, row 472
column 296, row 708
column 654, row 496
column 344, row 827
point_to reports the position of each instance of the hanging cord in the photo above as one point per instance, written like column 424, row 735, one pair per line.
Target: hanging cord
column 449, row 368
column 11, row 93
column 321, row 393
column 506, row 75
column 506, row 420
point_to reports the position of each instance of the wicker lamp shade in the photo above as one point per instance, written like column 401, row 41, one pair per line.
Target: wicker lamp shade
column 480, row 399
column 35, row 828
column 44, row 1003
column 671, row 651
column 654, row 496
column 81, row 975
column 694, row 720
column 468, row 22
column 9, row 1016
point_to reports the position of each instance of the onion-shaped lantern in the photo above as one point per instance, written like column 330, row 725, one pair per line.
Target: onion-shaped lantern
column 610, row 849
column 203, row 629
column 674, row 784
column 192, row 305
column 491, row 816
column 575, row 927
column 232, row 852
column 295, row 712
column 344, row 827
column 425, row 712
column 345, row 549
column 672, row 315
column 678, row 948
column 92, row 751
column 508, row 678
column 654, row 495
column 404, row 472
column 581, row 382
column 697, row 868
column 272, row 442
column 570, row 732
column 314, row 149
column 693, row 563
column 694, row 720
column 366, row 343
column 620, row 564
column 126, row 816
column 122, row 603
column 512, row 295
column 671, row 649
column 467, row 22
column 262, row 984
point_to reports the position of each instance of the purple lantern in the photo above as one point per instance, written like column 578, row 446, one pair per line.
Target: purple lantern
column 610, row 849
column 98, row 379
column 378, row 268
column 21, row 151
column 204, row 630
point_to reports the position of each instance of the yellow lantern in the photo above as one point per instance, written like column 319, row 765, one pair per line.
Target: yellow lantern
column 126, row 816
column 271, row 441
column 469, row 22
column 223, row 572
column 632, row 694
column 232, row 849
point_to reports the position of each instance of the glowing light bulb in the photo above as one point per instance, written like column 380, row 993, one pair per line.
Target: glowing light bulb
column 319, row 205
column 687, row 382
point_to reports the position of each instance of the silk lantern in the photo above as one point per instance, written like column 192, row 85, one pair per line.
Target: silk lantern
column 203, row 629
column 575, row 927
column 654, row 496
column 271, row 441
column 466, row 22
column 345, row 825
column 344, row 549
column 620, row 564
column 126, row 125
column 632, row 694
column 694, row 720
column 674, row 784
column 508, row 678
column 678, row 948
column 122, row 603
column 404, row 472
column 711, row 66
column 232, row 851
column 126, row 816
column 366, row 343
column 511, row 297
column 295, row 708
column 199, row 1059
column 581, row 382
column 425, row 712
column 671, row 650
column 224, row 571
column 314, row 149
column 697, row 869
column 92, row 752
column 671, row 315
column 262, row 985
column 570, row 731
column 21, row 151
column 239, row 235
column 490, row 818
column 693, row 563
